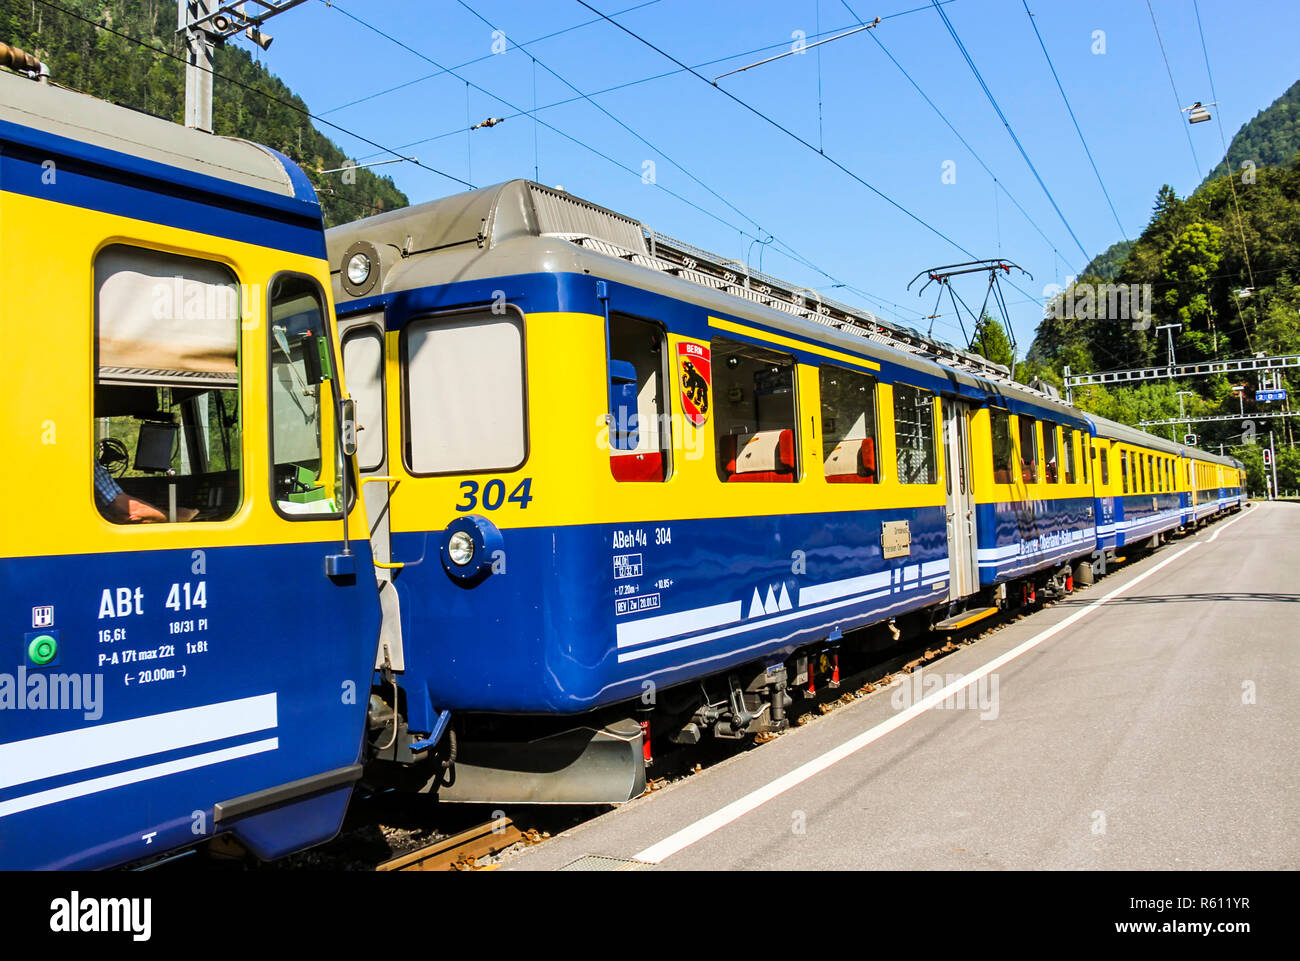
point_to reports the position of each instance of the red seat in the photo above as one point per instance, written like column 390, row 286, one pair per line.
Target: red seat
column 634, row 467
column 784, row 473
column 1002, row 475
column 866, row 464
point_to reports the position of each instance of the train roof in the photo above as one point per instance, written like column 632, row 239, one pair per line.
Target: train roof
column 1114, row 430
column 521, row 227
column 82, row 119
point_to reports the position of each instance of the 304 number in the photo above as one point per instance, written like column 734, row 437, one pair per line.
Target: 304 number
column 492, row 496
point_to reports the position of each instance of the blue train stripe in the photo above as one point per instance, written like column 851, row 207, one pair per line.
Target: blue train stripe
column 95, row 178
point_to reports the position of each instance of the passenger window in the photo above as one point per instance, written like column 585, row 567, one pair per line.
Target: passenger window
column 1067, row 450
column 1103, row 459
column 1049, row 452
column 304, row 472
column 849, row 448
column 464, row 393
column 168, row 440
column 914, row 435
column 639, row 433
column 753, row 393
column 1150, row 484
column 1028, row 450
column 1123, row 469
column 1004, row 454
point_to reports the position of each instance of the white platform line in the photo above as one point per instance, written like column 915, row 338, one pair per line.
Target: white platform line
column 720, row 818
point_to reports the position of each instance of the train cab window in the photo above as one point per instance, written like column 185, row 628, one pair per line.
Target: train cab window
column 464, row 393
column 1123, row 469
column 304, row 474
column 849, row 448
column 168, row 438
column 753, row 394
column 1050, row 455
column 1004, row 454
column 1028, row 450
column 1067, row 455
column 1103, row 464
column 914, row 435
column 639, row 439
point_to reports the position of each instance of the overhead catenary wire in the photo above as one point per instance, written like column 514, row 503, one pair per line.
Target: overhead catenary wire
column 1174, row 87
column 794, row 136
column 1230, row 173
column 794, row 255
column 784, row 129
column 437, row 73
column 790, row 251
column 1074, row 120
column 469, row 63
column 998, row 184
column 952, row 31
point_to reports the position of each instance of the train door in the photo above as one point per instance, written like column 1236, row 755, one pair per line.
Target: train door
column 962, row 560
column 364, row 368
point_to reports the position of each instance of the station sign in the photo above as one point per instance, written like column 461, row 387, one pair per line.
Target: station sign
column 1261, row 396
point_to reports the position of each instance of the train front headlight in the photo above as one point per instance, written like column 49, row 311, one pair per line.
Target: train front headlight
column 472, row 549
column 460, row 548
column 358, row 268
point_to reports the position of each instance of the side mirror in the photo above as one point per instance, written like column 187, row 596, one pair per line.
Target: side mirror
column 315, row 359
column 348, row 426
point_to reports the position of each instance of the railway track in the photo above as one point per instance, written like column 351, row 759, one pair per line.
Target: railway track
column 464, row 851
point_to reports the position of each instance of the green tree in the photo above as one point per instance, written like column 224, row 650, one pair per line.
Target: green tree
column 1186, row 267
column 990, row 340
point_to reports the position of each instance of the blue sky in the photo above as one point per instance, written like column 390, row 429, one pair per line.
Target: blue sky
column 748, row 176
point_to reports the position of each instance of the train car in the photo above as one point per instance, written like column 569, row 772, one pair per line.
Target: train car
column 1217, row 485
column 1036, row 508
column 626, row 491
column 187, row 650
column 1142, row 495
column 1148, row 488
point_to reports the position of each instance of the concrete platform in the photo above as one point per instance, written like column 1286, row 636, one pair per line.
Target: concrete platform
column 1147, row 722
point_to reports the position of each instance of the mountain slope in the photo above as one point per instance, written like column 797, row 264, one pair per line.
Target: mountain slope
column 1271, row 139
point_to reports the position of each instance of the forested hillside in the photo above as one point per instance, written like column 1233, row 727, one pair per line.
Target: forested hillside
column 1272, row 138
column 249, row 102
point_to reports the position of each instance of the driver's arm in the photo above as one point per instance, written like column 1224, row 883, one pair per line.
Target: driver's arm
column 121, row 508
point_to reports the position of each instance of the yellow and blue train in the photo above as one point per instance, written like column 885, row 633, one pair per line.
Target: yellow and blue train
column 187, row 645
column 625, row 490
column 611, row 489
